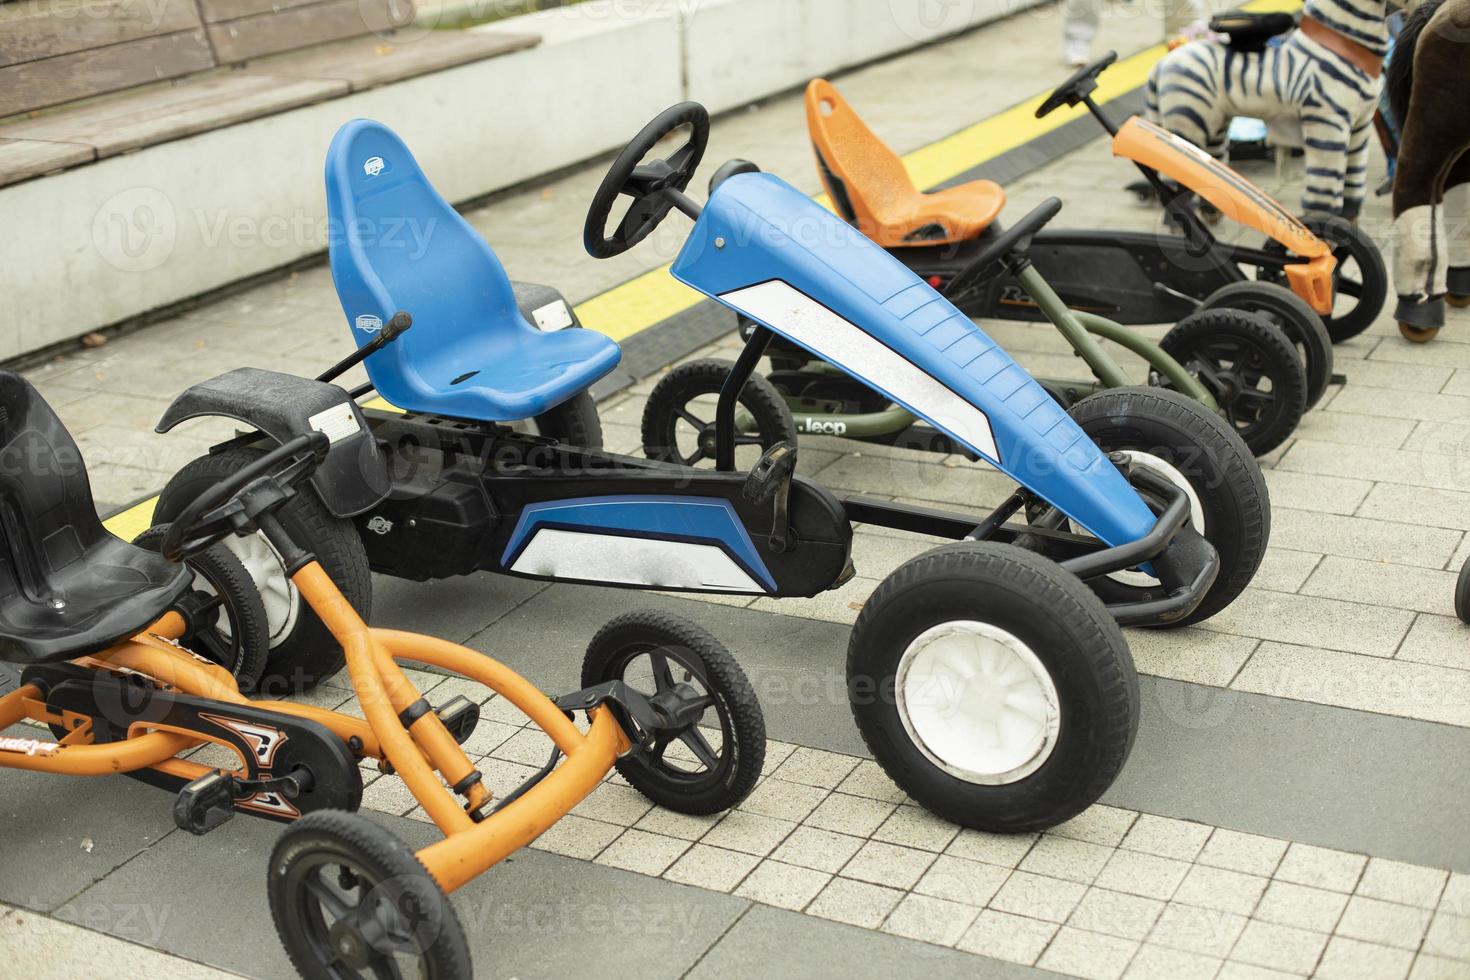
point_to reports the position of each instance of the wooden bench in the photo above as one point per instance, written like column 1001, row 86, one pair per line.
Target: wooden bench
column 82, row 80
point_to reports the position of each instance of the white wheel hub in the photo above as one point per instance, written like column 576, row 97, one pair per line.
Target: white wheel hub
column 977, row 702
column 1160, row 467
column 268, row 572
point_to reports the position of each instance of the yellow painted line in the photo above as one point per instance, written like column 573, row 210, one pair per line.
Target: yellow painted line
column 655, row 295
column 132, row 522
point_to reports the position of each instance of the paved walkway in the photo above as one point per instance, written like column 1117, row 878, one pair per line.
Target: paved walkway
column 1294, row 806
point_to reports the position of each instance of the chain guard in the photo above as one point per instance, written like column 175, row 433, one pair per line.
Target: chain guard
column 271, row 743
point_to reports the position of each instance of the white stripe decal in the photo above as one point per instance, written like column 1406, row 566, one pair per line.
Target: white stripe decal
column 622, row 560
column 797, row 316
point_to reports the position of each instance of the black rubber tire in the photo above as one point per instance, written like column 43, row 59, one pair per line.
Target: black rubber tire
column 308, row 654
column 1205, row 338
column 574, row 422
column 1462, row 593
column 743, row 729
column 245, row 651
column 1065, row 626
column 1347, row 241
column 1217, row 464
column 1301, row 324
column 706, row 377
column 391, row 873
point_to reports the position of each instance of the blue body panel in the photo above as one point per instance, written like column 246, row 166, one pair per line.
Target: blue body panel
column 701, row 520
column 771, row 231
column 397, row 245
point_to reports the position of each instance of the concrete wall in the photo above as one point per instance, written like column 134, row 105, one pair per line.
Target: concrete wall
column 103, row 243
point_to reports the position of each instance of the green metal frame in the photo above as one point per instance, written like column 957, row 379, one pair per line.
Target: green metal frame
column 1081, row 331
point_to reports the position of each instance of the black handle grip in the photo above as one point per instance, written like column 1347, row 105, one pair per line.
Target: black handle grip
column 401, row 321
column 395, row 327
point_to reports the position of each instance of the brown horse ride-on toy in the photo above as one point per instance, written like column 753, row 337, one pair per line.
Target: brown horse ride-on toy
column 99, row 626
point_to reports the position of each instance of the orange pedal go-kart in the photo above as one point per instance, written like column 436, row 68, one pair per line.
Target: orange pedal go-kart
column 99, row 626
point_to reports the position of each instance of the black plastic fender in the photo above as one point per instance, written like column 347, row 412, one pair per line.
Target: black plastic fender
column 354, row 476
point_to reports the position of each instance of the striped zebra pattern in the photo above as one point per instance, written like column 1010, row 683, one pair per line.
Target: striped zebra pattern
column 1297, row 87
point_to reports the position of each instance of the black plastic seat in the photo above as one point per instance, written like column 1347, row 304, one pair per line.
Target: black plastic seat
column 67, row 586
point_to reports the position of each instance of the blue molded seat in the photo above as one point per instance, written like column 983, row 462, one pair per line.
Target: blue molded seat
column 397, row 245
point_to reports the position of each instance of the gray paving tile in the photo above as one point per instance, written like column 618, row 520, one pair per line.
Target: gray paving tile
column 1410, row 690
column 532, row 916
column 454, row 608
column 1401, row 466
column 774, row 942
column 56, row 948
column 1352, row 626
column 1395, row 586
column 1361, row 538
column 1417, row 505
column 1400, row 403
column 68, row 833
column 1437, row 640
column 1354, row 428
column 1194, row 734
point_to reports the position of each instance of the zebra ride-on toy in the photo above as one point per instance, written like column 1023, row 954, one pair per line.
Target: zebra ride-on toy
column 1316, row 89
column 99, row 628
column 991, row 683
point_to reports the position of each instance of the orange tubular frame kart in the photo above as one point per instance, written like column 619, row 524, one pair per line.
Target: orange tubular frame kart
column 415, row 752
column 347, row 897
column 1238, row 199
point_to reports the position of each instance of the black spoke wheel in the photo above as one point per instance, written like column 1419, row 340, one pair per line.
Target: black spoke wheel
column 351, row 900
column 230, row 626
column 1249, row 366
column 679, row 419
column 711, row 759
column 1289, row 312
column 1359, row 280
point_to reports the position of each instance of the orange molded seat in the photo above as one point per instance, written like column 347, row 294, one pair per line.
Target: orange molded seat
column 871, row 189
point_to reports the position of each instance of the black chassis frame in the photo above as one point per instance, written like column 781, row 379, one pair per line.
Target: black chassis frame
column 458, row 488
column 1130, row 277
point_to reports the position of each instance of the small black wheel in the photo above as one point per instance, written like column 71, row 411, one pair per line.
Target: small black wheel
column 351, row 900
column 233, row 629
column 1250, row 367
column 1193, row 448
column 1288, row 311
column 1359, row 281
column 303, row 651
column 1462, row 593
column 993, row 687
column 574, row 422
column 679, row 419
column 713, row 760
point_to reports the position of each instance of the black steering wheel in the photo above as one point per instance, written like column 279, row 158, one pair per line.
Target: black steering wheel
column 236, row 503
column 645, row 183
column 1079, row 86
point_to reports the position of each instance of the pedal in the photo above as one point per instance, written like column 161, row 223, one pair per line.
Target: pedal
column 205, row 803
column 460, row 715
column 770, row 473
column 770, row 480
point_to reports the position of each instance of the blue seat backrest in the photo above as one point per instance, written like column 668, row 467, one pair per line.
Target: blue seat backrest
column 395, row 244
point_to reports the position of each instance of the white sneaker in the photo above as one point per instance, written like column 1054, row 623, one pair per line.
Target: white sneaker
column 1078, row 53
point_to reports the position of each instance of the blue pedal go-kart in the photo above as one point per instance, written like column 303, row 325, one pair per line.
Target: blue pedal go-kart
column 988, row 679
